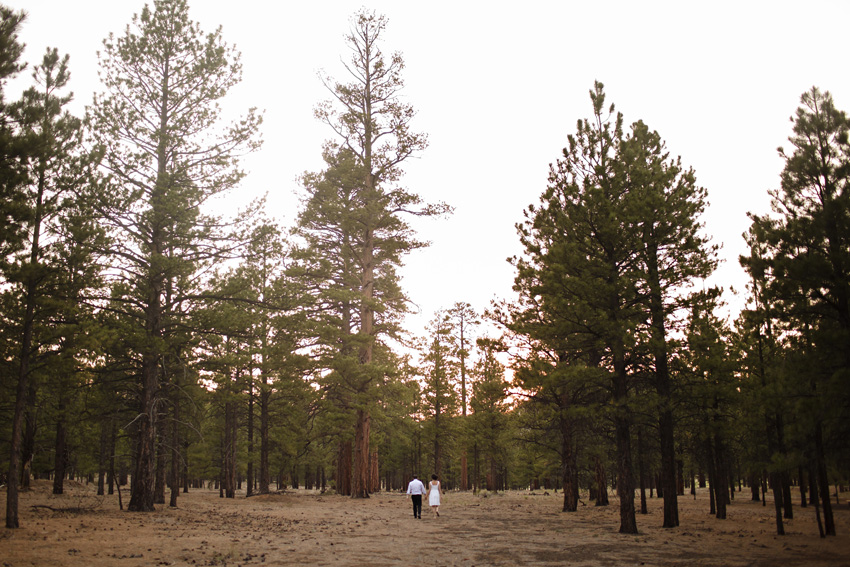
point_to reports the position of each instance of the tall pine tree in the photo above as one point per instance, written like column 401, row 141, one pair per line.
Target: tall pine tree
column 166, row 155
column 374, row 138
column 804, row 257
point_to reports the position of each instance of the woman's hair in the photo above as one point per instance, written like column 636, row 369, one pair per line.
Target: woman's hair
column 434, row 477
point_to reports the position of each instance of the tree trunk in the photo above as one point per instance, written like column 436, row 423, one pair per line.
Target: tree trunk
column 374, row 476
column 175, row 450
column 776, row 486
column 265, row 478
column 663, row 388
column 142, row 488
column 437, row 463
column 343, row 469
column 360, row 480
column 569, row 470
column 492, row 476
column 185, row 467
column 601, row 483
column 803, row 502
column 720, row 481
column 712, row 476
column 476, row 469
column 823, row 482
column 622, row 424
column 680, row 475
column 787, row 504
column 360, row 477
column 229, row 477
column 60, row 456
column 102, row 463
column 159, row 481
column 754, row 487
column 110, row 474
column 30, row 432
column 813, row 480
column 641, row 475
column 464, row 465
column 249, row 489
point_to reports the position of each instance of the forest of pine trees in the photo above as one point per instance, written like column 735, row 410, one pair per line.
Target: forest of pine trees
column 153, row 345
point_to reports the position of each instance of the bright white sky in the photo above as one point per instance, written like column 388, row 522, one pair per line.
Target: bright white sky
column 499, row 89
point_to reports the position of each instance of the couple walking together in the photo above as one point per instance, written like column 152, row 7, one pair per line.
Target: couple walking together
column 416, row 489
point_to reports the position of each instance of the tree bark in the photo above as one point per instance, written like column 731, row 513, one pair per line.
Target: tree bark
column 813, row 476
column 464, row 474
column 159, row 481
column 680, row 476
column 101, row 458
column 663, row 388
column 601, row 483
column 59, row 460
column 622, row 425
column 374, row 476
column 569, row 470
column 229, row 477
column 175, row 450
column 29, row 433
column 110, row 474
column 343, row 469
column 249, row 490
column 803, row 502
column 720, row 482
column 641, row 474
column 360, row 480
column 360, row 477
column 823, row 482
column 265, row 478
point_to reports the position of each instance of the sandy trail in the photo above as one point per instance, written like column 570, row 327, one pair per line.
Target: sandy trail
column 302, row 528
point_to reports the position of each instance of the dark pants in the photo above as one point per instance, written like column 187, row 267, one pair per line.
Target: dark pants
column 417, row 505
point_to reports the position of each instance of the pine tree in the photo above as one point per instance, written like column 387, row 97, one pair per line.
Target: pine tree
column 374, row 139
column 581, row 267
column 490, row 418
column 49, row 269
column 157, row 122
column 804, row 256
column 439, row 369
column 14, row 149
column 465, row 318
column 673, row 255
column 14, row 213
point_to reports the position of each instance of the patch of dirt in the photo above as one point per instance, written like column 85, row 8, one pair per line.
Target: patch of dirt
column 305, row 528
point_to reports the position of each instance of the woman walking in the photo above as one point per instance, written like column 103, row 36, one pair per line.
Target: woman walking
column 434, row 494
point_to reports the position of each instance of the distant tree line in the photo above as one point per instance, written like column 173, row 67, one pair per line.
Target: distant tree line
column 153, row 342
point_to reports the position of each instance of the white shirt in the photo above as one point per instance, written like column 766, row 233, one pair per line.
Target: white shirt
column 416, row 487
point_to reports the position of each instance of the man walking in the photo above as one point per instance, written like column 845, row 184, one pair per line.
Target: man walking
column 416, row 489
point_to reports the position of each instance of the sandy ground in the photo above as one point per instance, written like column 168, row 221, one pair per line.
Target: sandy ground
column 300, row 528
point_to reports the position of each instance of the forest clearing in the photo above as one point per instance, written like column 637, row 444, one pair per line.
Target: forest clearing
column 307, row 528
column 156, row 332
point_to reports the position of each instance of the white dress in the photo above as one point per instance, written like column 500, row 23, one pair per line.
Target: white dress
column 434, row 494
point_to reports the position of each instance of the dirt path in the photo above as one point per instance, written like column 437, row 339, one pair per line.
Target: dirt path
column 309, row 529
